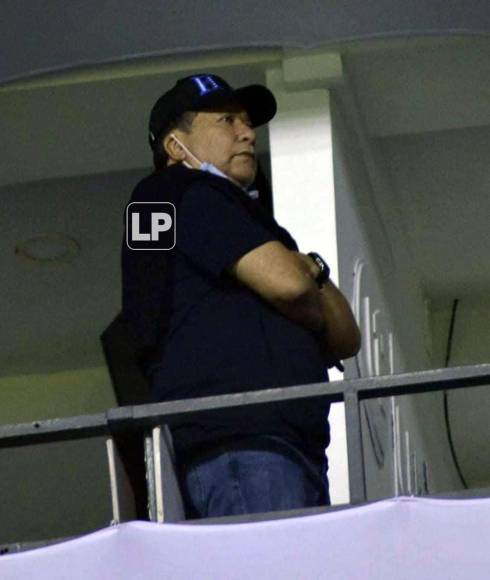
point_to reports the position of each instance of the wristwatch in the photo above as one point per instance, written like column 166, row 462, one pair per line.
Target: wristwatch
column 324, row 273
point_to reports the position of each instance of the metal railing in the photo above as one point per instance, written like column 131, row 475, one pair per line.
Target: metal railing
column 351, row 392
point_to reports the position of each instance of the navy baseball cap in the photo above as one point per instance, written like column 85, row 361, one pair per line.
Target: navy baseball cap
column 198, row 92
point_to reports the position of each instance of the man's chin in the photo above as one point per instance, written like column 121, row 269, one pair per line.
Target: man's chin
column 245, row 180
column 245, row 176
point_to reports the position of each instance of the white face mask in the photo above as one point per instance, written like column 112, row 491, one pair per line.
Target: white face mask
column 187, row 164
column 203, row 165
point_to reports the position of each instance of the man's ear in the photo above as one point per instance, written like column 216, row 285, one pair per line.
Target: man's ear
column 173, row 149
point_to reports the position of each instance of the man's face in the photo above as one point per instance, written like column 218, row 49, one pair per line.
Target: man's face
column 224, row 137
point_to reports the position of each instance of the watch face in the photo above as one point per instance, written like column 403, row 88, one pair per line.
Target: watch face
column 324, row 273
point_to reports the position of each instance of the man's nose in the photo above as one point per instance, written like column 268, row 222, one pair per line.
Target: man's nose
column 245, row 132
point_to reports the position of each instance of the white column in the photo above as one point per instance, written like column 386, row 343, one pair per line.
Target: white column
column 304, row 197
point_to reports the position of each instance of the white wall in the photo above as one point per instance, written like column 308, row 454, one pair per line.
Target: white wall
column 368, row 250
column 300, row 139
column 369, row 233
column 32, row 507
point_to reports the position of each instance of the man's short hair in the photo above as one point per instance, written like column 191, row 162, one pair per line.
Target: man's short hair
column 184, row 123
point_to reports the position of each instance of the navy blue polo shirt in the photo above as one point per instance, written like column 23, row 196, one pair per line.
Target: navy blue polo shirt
column 214, row 335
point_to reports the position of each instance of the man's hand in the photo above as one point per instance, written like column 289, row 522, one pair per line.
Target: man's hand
column 286, row 279
column 278, row 275
column 341, row 335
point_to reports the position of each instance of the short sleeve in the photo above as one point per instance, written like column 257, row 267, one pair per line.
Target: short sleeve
column 214, row 229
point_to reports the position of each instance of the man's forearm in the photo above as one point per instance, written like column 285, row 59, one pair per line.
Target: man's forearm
column 286, row 279
column 306, row 309
column 339, row 332
column 326, row 312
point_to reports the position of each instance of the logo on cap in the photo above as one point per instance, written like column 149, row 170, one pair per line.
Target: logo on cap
column 205, row 84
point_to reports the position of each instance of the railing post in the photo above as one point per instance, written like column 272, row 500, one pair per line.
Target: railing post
column 150, row 476
column 165, row 500
column 357, row 473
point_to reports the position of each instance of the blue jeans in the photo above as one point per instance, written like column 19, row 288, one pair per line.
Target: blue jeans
column 252, row 475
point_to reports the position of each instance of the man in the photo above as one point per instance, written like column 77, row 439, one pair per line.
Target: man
column 232, row 307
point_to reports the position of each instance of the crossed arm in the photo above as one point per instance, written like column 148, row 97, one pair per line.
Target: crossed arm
column 286, row 280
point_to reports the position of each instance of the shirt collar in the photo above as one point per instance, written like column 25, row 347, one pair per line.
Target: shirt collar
column 210, row 168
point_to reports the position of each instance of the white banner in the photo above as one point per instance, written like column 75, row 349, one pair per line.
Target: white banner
column 397, row 539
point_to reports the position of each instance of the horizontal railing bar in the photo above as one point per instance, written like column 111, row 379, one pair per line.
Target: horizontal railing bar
column 52, row 430
column 476, row 493
column 423, row 381
column 146, row 416
column 273, row 515
column 150, row 415
column 7, row 549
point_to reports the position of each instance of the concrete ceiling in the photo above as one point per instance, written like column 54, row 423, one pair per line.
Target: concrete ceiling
column 427, row 108
column 442, row 181
column 74, row 146
column 423, row 86
column 36, row 37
